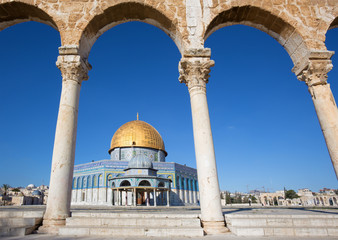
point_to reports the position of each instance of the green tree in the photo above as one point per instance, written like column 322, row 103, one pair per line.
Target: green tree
column 16, row 190
column 227, row 197
column 291, row 194
column 253, row 199
column 238, row 198
column 5, row 187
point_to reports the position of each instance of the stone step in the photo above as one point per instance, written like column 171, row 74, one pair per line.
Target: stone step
column 283, row 222
column 158, row 222
column 16, row 230
column 283, row 225
column 7, row 222
column 132, row 215
column 140, row 231
column 285, row 231
column 22, row 214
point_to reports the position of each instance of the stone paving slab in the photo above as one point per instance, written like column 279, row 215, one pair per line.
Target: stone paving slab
column 243, row 211
column 186, row 209
column 228, row 236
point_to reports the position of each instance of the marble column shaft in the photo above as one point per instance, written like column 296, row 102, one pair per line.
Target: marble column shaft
column 74, row 71
column 315, row 76
column 194, row 69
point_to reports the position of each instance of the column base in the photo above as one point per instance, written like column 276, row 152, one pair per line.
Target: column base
column 51, row 226
column 214, row 227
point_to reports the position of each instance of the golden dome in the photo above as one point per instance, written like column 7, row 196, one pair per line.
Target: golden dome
column 137, row 134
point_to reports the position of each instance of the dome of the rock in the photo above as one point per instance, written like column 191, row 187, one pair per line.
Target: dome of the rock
column 140, row 161
column 137, row 134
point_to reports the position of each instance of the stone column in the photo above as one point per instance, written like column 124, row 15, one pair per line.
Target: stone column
column 194, row 68
column 126, row 198
column 314, row 74
column 147, row 198
column 168, row 198
column 118, row 197
column 154, row 193
column 74, row 70
column 135, row 196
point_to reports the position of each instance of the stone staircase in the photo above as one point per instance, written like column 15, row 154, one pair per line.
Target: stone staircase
column 313, row 225
column 132, row 224
column 19, row 223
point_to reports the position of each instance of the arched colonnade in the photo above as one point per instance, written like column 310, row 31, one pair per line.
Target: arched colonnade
column 299, row 26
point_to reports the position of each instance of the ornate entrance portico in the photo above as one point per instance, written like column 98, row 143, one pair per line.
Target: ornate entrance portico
column 138, row 196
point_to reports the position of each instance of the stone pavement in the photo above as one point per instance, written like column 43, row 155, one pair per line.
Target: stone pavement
column 241, row 210
column 227, row 236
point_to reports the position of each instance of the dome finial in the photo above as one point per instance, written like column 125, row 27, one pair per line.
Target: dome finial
column 137, row 116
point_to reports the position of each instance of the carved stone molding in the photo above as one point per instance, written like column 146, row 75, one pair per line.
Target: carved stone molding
column 316, row 72
column 195, row 73
column 73, row 68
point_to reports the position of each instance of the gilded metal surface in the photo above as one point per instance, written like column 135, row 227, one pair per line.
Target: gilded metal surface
column 137, row 134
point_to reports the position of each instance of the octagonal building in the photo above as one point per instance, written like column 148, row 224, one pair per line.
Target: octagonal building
column 136, row 173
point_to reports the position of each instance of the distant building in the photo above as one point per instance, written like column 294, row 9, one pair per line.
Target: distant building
column 31, row 195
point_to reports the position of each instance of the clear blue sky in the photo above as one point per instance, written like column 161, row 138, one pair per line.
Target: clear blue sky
column 265, row 129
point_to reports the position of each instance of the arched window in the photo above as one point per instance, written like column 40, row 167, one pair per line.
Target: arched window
column 161, row 184
column 78, row 183
column 94, row 181
column 100, row 180
column 125, row 183
column 84, row 182
column 89, row 182
column 144, row 183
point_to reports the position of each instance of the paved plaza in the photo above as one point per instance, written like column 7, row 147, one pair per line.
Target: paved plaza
column 225, row 237
column 240, row 210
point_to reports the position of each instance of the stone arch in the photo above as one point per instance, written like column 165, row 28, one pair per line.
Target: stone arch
column 12, row 13
column 145, row 183
column 266, row 21
column 109, row 176
column 125, row 183
column 126, row 12
column 334, row 23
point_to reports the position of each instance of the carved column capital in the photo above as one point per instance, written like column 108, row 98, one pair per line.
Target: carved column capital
column 315, row 73
column 72, row 66
column 195, row 73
